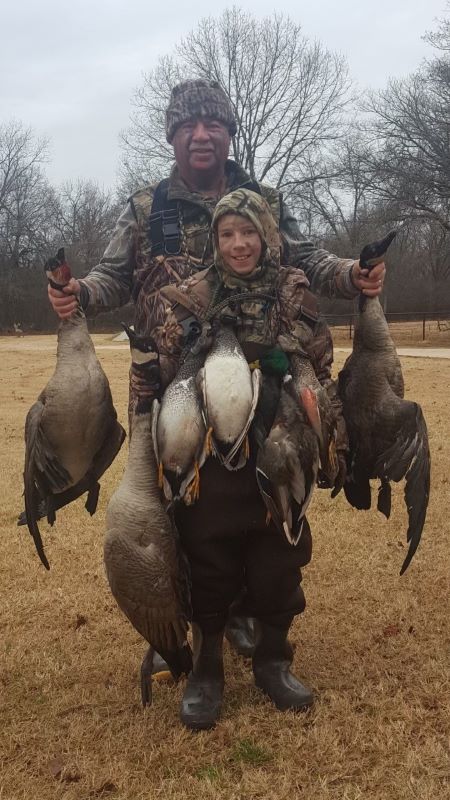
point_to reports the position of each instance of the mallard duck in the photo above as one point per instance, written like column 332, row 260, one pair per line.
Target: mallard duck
column 321, row 415
column 387, row 434
column 179, row 433
column 288, row 460
column 146, row 569
column 230, row 393
column 71, row 433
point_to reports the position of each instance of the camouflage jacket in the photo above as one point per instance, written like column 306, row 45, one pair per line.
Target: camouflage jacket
column 127, row 263
column 257, row 328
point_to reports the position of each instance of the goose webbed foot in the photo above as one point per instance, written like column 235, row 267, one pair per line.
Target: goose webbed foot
column 384, row 499
column 146, row 677
column 40, row 513
column 92, row 498
column 167, row 667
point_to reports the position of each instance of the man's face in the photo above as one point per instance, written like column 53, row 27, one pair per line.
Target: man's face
column 201, row 146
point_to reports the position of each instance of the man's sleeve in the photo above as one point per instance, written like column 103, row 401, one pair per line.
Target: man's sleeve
column 108, row 285
column 328, row 275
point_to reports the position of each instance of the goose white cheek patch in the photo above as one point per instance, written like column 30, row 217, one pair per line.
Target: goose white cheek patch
column 140, row 358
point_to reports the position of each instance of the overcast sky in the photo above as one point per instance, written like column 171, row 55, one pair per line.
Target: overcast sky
column 69, row 69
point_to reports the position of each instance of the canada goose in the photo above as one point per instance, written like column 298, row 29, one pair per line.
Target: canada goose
column 71, row 432
column 146, row 570
column 387, row 435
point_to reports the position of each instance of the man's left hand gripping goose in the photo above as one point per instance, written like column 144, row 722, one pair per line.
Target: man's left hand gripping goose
column 71, row 433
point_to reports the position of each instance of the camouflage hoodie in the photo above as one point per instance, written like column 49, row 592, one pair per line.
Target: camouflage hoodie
column 270, row 302
column 127, row 264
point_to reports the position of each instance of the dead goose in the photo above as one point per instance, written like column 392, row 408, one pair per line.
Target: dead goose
column 71, row 433
column 179, row 433
column 288, row 460
column 387, row 434
column 230, row 395
column 146, row 570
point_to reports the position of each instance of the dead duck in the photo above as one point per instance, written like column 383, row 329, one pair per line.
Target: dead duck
column 72, row 434
column 146, row 570
column 387, row 435
column 230, row 392
column 179, row 433
column 288, row 460
column 321, row 415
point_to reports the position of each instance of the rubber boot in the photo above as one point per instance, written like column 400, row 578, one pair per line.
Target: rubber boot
column 240, row 632
column 271, row 662
column 202, row 699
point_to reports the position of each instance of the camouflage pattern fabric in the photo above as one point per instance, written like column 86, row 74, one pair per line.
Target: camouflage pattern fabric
column 198, row 98
column 127, row 260
column 256, row 209
column 128, row 270
column 260, row 324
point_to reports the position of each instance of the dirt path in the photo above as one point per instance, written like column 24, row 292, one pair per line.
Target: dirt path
column 413, row 352
column 104, row 341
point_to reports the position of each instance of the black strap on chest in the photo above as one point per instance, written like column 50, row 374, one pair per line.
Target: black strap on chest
column 164, row 223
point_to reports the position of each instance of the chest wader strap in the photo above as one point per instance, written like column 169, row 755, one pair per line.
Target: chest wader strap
column 164, row 223
column 309, row 310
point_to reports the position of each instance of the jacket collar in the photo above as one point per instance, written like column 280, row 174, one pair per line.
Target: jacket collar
column 236, row 178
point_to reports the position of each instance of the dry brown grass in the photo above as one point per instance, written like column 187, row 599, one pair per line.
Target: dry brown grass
column 374, row 646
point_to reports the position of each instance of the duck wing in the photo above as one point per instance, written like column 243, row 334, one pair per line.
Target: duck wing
column 286, row 469
column 229, row 461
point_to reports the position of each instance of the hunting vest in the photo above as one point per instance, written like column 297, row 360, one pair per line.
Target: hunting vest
column 174, row 242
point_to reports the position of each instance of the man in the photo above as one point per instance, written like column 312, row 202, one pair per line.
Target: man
column 163, row 234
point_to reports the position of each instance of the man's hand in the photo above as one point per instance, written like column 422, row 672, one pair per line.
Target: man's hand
column 65, row 302
column 369, row 283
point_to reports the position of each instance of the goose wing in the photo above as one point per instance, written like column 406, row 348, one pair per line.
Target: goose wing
column 43, row 473
column 153, row 597
column 408, row 457
column 391, row 443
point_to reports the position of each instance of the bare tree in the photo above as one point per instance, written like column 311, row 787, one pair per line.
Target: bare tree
column 440, row 38
column 411, row 149
column 83, row 219
column 335, row 197
column 24, row 195
column 288, row 96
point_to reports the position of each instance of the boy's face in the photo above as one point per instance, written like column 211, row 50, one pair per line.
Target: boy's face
column 239, row 244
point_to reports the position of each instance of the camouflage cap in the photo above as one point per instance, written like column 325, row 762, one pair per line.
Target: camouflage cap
column 198, row 98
